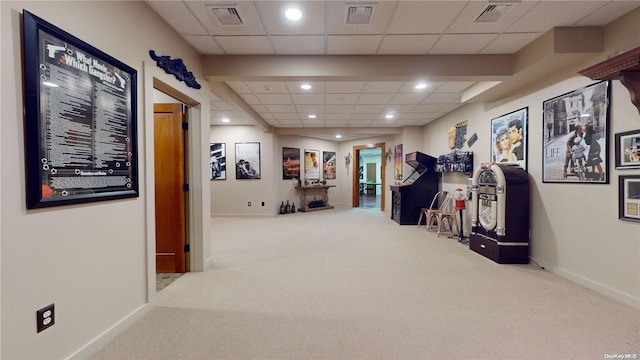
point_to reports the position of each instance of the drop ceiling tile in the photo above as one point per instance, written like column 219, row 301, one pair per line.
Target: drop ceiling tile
column 245, row 45
column 259, row 108
column 266, row 116
column 343, row 87
column 414, row 116
column 285, row 116
column 374, row 99
column 281, row 108
column 308, row 99
column 336, row 123
column 337, row 18
column 338, row 109
column 398, row 108
column 313, row 124
column 429, row 108
column 509, row 43
column 372, row 87
column 455, row 86
column 246, row 9
column 315, row 109
column 441, row 98
column 364, row 116
column 337, row 116
column 317, row 87
column 239, row 87
column 290, row 123
column 465, row 23
column 368, row 109
column 410, row 88
column 312, row 22
column 424, row 17
column 612, row 10
column 548, row 14
column 298, row 45
column 270, row 99
column 250, row 99
column 462, row 43
column 267, row 87
column 204, row 44
column 359, row 123
column 339, row 99
column 179, row 17
column 407, row 44
column 401, row 99
column 353, row 44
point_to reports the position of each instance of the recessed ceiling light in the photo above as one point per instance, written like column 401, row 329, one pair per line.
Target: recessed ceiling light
column 389, row 116
column 305, row 86
column 421, row 86
column 293, row 14
column 338, row 136
column 312, row 116
column 225, row 120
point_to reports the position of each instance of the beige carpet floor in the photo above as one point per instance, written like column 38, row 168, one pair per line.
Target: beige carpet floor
column 352, row 284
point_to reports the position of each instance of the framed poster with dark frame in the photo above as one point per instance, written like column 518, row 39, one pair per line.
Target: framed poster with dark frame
column 80, row 120
column 290, row 163
column 218, row 161
column 329, row 165
column 311, row 164
column 248, row 160
column 509, row 138
column 629, row 197
column 398, row 162
column 576, row 136
column 628, row 150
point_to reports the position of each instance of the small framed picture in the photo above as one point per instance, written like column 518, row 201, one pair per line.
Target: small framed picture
column 329, row 165
column 509, row 138
column 628, row 150
column 629, row 202
column 248, row 160
column 218, row 161
column 290, row 163
column 311, row 164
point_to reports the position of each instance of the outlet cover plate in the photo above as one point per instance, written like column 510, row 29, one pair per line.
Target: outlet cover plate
column 45, row 317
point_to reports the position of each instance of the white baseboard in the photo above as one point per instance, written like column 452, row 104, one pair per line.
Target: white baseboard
column 106, row 337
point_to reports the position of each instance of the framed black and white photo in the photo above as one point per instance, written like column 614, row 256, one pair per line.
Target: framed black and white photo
column 629, row 197
column 218, row 161
column 248, row 160
column 509, row 138
column 80, row 120
column 628, row 150
column 576, row 136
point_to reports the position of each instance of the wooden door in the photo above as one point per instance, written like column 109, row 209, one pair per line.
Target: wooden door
column 169, row 194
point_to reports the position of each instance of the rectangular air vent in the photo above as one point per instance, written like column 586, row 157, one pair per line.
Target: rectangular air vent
column 360, row 14
column 227, row 16
column 493, row 13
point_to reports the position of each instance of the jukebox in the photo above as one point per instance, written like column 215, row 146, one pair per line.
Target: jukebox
column 500, row 213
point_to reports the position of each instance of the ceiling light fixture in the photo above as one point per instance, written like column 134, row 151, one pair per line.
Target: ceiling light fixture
column 389, row 116
column 293, row 14
column 338, row 136
column 312, row 116
column 225, row 120
column 421, row 86
column 305, row 86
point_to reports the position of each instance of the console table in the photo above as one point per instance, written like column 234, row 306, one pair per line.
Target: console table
column 314, row 197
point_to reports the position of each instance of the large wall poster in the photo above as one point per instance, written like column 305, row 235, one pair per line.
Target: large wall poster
column 218, row 161
column 509, row 138
column 290, row 163
column 329, row 165
column 398, row 162
column 576, row 136
column 311, row 164
column 80, row 120
column 248, row 160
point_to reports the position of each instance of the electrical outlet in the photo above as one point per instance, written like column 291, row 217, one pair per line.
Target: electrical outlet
column 45, row 317
column 249, row 203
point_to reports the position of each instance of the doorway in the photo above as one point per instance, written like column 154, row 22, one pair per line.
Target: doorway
column 368, row 180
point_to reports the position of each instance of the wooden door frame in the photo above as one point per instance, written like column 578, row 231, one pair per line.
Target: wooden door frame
column 355, row 185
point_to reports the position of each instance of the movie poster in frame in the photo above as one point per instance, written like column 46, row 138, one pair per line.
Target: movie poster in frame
column 398, row 162
column 329, row 165
column 509, row 138
column 576, row 136
column 248, row 160
column 629, row 197
column 628, row 150
column 311, row 164
column 80, row 120
column 290, row 163
column 218, row 161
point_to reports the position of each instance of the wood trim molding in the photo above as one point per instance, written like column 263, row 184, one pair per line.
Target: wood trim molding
column 624, row 67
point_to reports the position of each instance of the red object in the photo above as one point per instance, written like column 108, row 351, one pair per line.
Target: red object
column 460, row 203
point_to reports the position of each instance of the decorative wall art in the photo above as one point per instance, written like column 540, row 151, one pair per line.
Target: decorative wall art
column 628, row 150
column 290, row 163
column 629, row 198
column 311, row 164
column 398, row 162
column 248, row 160
column 329, row 165
column 80, row 120
column 218, row 161
column 509, row 138
column 576, row 136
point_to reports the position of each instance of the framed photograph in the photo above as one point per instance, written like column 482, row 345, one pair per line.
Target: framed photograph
column 575, row 136
column 628, row 150
column 398, row 162
column 629, row 202
column 329, row 165
column 80, row 120
column 311, row 164
column 509, row 138
column 218, row 161
column 290, row 163
column 248, row 160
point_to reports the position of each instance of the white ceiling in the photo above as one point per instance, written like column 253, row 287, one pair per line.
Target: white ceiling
column 395, row 28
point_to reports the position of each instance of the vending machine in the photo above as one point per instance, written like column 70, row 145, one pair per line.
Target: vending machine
column 500, row 213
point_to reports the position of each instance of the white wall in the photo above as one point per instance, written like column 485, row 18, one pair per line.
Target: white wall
column 90, row 260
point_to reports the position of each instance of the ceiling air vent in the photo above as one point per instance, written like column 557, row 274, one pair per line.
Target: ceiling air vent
column 360, row 14
column 493, row 13
column 227, row 16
